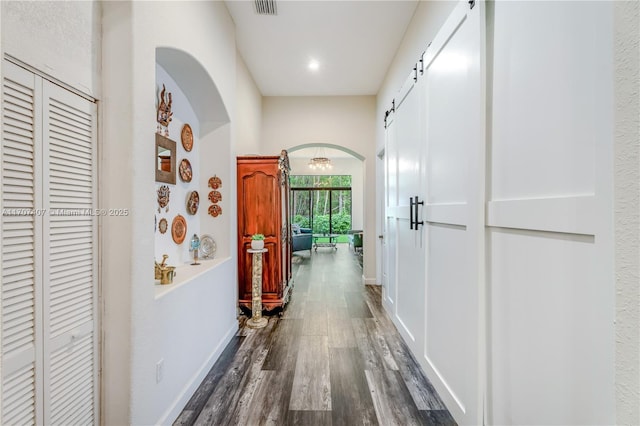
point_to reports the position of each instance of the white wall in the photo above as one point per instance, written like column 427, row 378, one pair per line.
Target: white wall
column 249, row 101
column 627, row 210
column 340, row 166
column 61, row 39
column 189, row 326
column 345, row 121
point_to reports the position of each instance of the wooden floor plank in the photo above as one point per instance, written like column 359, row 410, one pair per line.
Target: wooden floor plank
column 357, row 304
column 315, row 322
column 422, row 391
column 241, row 375
column 203, row 393
column 350, row 396
column 269, row 404
column 296, row 307
column 438, row 418
column 372, row 345
column 340, row 329
column 315, row 291
column 392, row 400
column 283, row 345
column 311, row 387
column 308, row 418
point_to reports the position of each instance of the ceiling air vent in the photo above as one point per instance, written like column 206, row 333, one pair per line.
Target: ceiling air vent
column 266, row 7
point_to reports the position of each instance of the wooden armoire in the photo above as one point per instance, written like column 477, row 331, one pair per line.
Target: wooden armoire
column 263, row 208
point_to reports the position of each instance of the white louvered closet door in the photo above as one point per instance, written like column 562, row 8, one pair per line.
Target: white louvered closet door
column 49, row 254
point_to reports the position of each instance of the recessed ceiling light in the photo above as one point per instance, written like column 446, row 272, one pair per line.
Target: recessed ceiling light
column 314, row 65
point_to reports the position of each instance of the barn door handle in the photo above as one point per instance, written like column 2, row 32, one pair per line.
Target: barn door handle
column 410, row 212
column 415, row 206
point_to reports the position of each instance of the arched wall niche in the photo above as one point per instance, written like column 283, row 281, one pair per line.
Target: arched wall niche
column 197, row 85
column 210, row 155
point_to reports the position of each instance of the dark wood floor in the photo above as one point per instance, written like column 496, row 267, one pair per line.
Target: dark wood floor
column 333, row 358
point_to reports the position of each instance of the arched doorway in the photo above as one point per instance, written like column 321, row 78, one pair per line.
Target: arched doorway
column 328, row 200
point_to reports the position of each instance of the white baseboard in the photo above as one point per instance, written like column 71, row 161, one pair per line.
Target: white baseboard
column 369, row 281
column 176, row 408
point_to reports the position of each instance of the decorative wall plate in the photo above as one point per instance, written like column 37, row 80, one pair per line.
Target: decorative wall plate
column 178, row 229
column 193, row 201
column 215, row 182
column 163, row 198
column 207, row 246
column 185, row 170
column 187, row 137
column 162, row 225
column 215, row 196
column 215, row 210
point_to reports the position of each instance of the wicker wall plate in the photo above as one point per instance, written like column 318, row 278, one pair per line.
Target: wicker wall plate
column 185, row 170
column 193, row 201
column 178, row 229
column 187, row 138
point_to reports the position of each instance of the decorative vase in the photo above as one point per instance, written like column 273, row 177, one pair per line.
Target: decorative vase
column 257, row 244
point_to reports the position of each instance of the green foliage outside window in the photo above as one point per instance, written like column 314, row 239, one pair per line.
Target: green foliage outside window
column 315, row 207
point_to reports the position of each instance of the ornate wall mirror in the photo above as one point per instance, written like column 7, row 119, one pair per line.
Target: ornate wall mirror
column 165, row 160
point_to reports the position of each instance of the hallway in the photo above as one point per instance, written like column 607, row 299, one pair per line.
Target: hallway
column 333, row 358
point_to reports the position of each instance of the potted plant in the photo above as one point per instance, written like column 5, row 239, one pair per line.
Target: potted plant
column 257, row 241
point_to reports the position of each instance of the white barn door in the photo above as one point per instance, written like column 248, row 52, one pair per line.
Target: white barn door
column 435, row 142
column 455, row 173
column 404, row 228
column 550, row 215
column 49, row 253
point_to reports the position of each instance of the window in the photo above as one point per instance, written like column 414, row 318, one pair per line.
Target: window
column 322, row 203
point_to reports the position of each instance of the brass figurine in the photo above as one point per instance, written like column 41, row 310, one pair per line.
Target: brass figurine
column 163, row 272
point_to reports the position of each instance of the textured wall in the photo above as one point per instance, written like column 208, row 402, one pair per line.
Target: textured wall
column 61, row 39
column 627, row 210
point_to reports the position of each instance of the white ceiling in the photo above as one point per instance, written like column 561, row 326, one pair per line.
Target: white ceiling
column 353, row 41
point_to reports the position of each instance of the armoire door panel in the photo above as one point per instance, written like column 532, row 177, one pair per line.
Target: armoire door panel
column 259, row 204
column 263, row 187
